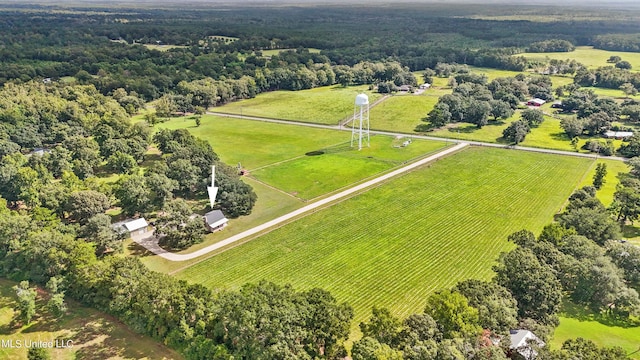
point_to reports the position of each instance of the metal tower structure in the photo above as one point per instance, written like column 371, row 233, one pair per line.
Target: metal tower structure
column 360, row 129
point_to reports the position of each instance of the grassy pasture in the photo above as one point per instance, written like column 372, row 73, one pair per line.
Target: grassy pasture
column 617, row 94
column 494, row 73
column 313, row 176
column 395, row 244
column 492, row 132
column 163, row 47
column 614, row 169
column 255, row 143
column 95, row 335
column 269, row 53
column 324, row 105
column 588, row 56
column 604, row 331
column 402, row 113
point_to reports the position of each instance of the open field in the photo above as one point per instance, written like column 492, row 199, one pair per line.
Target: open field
column 614, row 169
column 618, row 94
column 95, row 335
column 494, row 73
column 395, row 244
column 269, row 53
column 604, row 331
column 163, row 47
column 402, row 113
column 324, row 105
column 340, row 166
column 492, row 132
column 588, row 56
column 255, row 143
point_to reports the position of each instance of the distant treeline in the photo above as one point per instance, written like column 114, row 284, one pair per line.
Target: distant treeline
column 57, row 44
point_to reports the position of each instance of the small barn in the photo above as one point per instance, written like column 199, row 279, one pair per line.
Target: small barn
column 215, row 220
column 425, row 86
column 132, row 226
column 404, row 88
column 536, row 102
column 557, row 105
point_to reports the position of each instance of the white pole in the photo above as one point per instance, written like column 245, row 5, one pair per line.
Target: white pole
column 360, row 137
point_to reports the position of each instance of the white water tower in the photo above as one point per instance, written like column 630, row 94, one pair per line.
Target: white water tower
column 360, row 130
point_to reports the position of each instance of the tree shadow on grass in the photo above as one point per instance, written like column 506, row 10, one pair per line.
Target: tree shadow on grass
column 630, row 231
column 582, row 313
column 136, row 249
column 466, row 129
column 559, row 136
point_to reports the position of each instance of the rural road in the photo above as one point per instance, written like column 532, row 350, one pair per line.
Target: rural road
column 425, row 137
column 152, row 245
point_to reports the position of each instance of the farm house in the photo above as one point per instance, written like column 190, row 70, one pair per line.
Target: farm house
column 215, row 220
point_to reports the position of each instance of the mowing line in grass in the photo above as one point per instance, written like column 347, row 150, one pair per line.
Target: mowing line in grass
column 395, row 244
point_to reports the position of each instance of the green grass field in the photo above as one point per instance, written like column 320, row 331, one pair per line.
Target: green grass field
column 269, row 53
column 492, row 132
column 614, row 169
column 402, row 113
column 255, row 143
column 395, row 244
column 576, row 322
column 324, row 105
column 95, row 335
column 494, row 73
column 617, row 94
column 588, row 56
column 312, row 176
column 163, row 47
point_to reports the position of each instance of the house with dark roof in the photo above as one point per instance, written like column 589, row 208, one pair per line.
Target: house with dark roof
column 215, row 220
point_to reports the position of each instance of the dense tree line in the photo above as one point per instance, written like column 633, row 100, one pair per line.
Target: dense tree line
column 82, row 133
column 96, row 46
column 553, row 45
column 617, row 42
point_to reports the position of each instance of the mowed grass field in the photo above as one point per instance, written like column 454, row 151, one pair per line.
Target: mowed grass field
column 588, row 56
column 402, row 113
column 323, row 105
column 95, row 335
column 254, row 143
column 614, row 169
column 577, row 322
column 312, row 176
column 492, row 132
column 395, row 244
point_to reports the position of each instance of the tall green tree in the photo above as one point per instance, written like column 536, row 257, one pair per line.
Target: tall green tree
column 453, row 314
column 599, row 176
column 26, row 301
column 520, row 272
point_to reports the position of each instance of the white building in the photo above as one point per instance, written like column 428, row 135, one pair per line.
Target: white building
column 132, row 227
column 215, row 220
column 618, row 134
